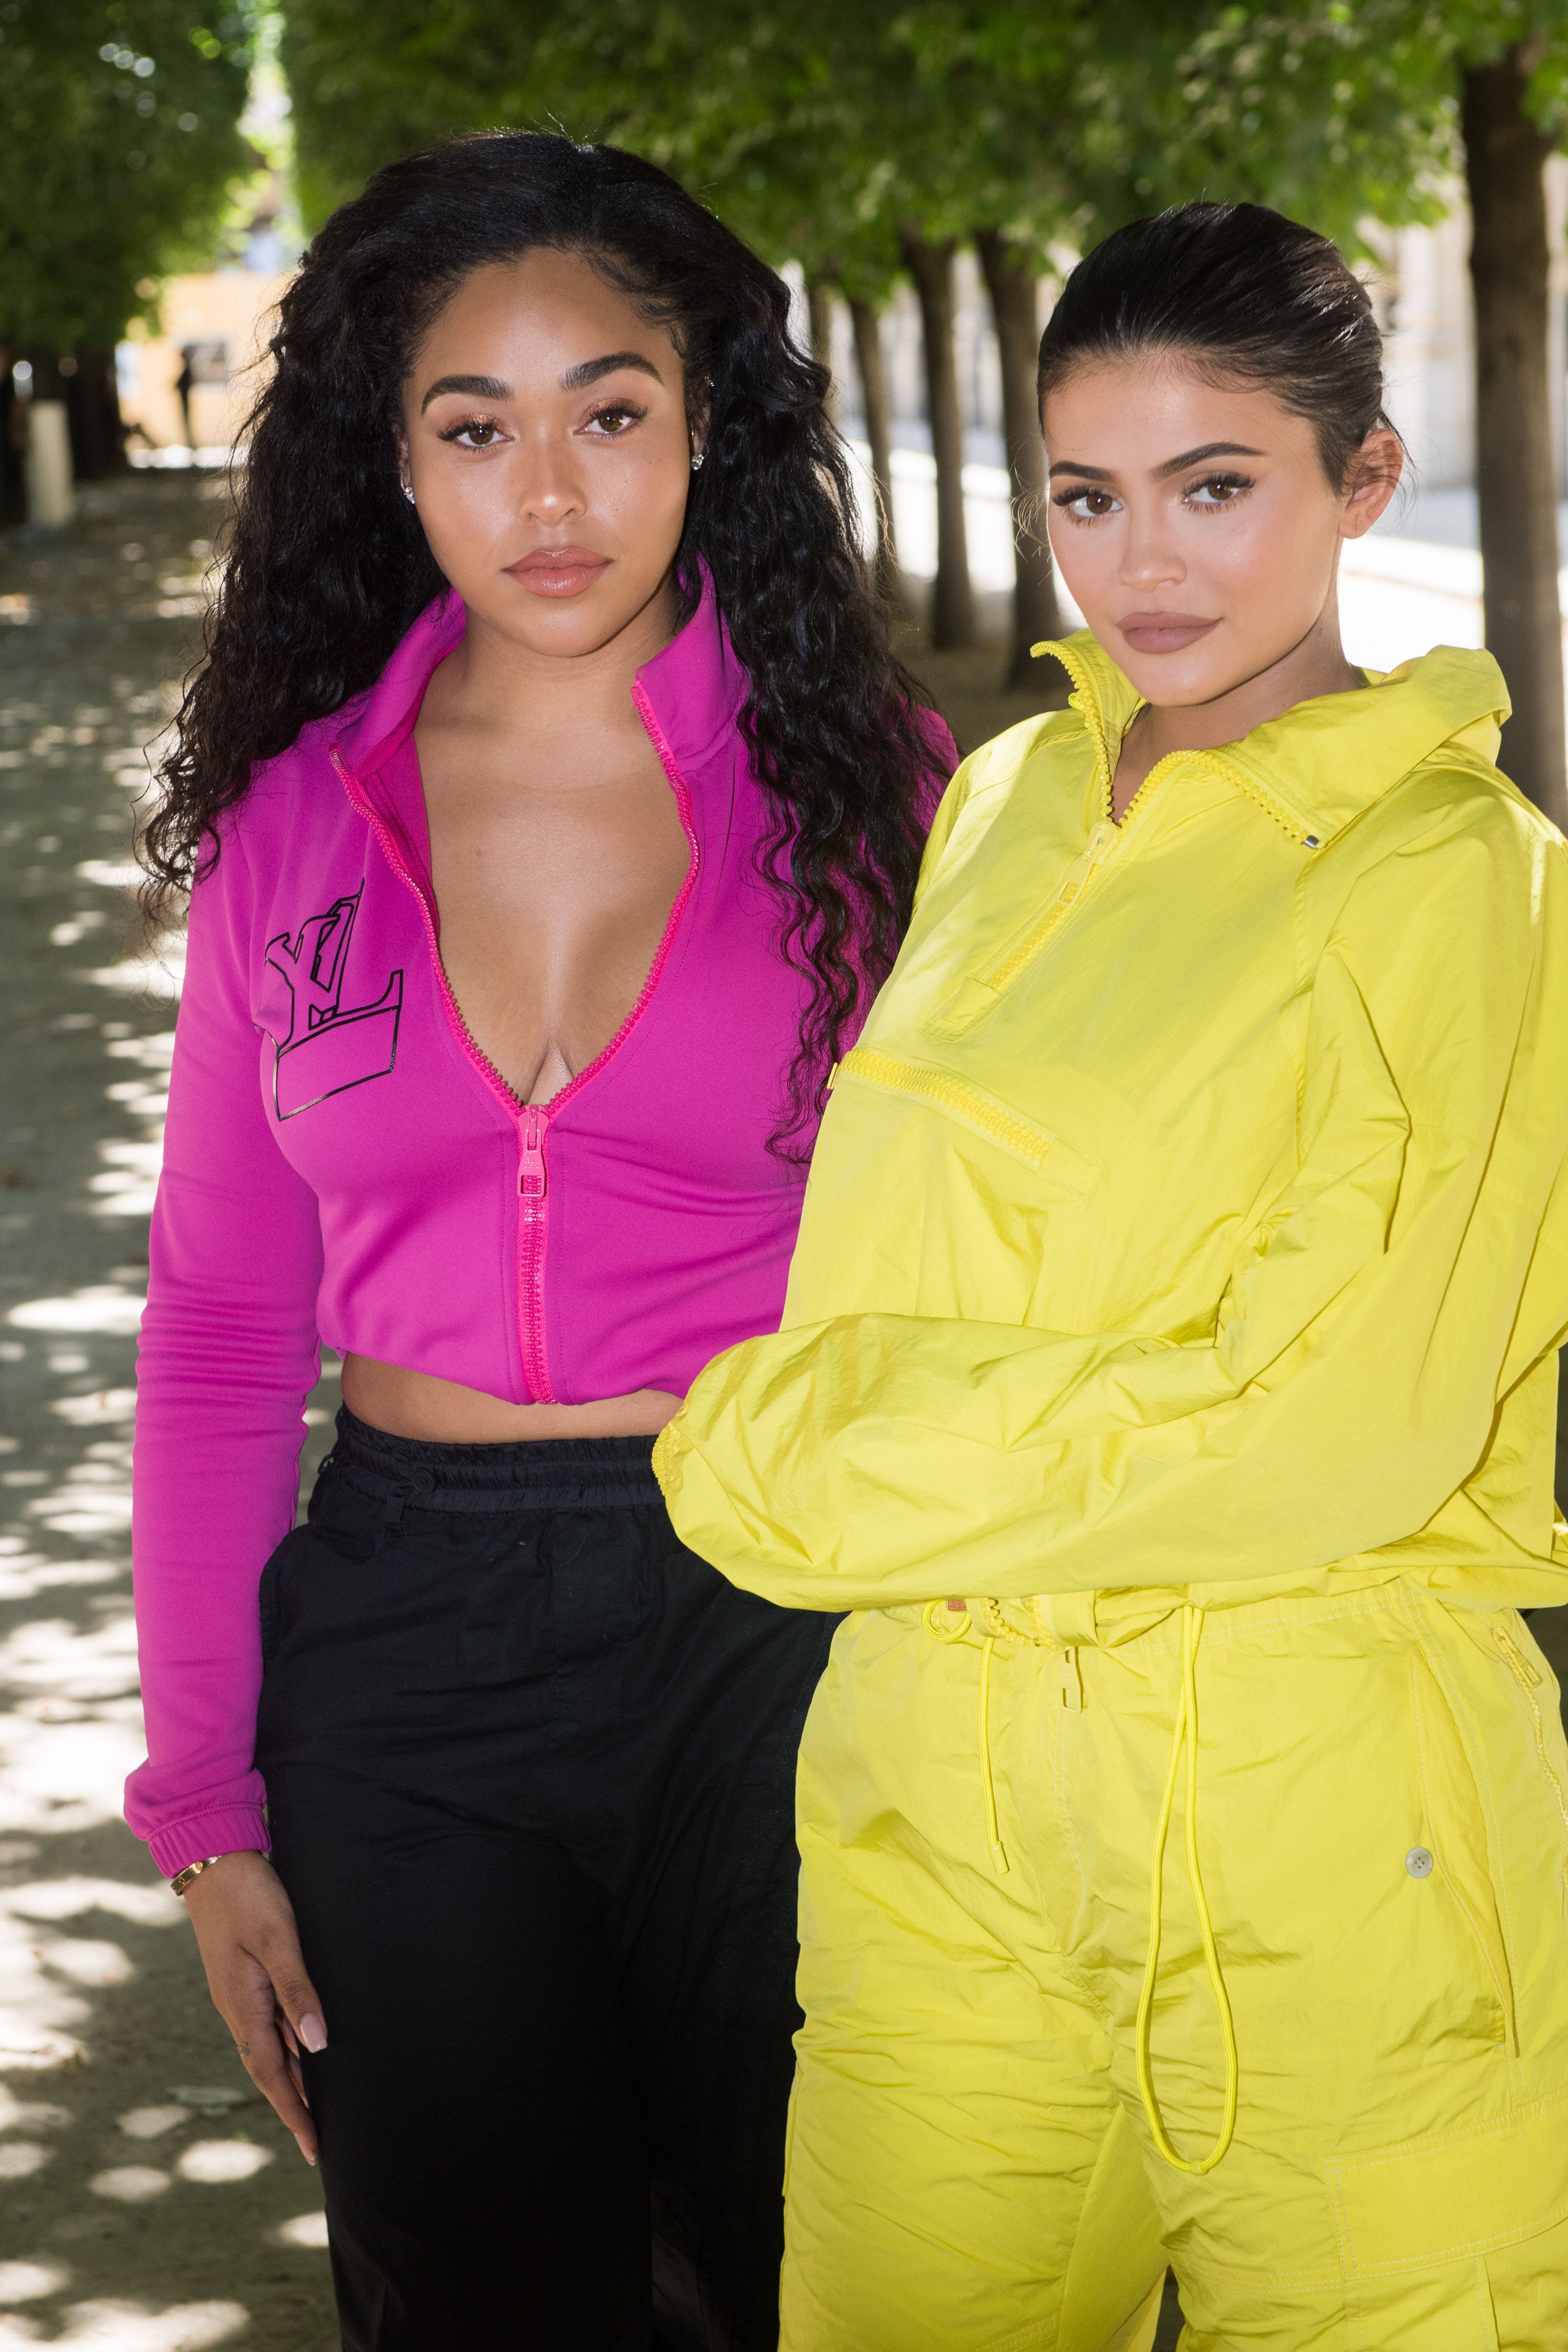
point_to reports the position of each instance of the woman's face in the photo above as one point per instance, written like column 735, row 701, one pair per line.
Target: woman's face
column 1193, row 523
column 549, row 452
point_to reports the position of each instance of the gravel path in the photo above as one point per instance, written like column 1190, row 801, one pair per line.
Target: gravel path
column 150, row 2202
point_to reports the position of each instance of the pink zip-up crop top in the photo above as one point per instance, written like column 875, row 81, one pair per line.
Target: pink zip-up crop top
column 342, row 1165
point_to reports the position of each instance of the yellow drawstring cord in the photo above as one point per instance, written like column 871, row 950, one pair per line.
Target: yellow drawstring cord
column 987, row 1779
column 1185, row 1738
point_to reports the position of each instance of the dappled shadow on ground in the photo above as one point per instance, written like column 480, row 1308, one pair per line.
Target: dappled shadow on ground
column 150, row 2202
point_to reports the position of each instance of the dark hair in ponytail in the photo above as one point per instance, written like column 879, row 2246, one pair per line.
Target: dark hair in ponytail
column 327, row 566
column 1245, row 293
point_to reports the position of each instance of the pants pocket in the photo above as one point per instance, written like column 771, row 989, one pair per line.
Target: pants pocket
column 1456, row 1831
column 1469, row 2191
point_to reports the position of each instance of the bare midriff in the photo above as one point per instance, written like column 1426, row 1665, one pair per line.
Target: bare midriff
column 416, row 1404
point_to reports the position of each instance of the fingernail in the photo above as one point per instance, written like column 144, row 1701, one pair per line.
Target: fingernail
column 303, row 2149
column 312, row 2032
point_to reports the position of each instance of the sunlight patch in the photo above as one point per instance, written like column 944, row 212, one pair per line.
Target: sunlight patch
column 112, row 2326
column 131, row 2184
column 151, row 2123
column 217, row 2161
column 305, row 2230
column 100, row 1307
column 24, row 2282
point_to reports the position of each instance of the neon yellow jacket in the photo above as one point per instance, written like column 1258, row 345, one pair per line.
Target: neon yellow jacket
column 1192, row 1212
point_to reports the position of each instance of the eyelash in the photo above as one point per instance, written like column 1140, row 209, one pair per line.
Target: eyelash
column 454, row 432
column 1239, row 483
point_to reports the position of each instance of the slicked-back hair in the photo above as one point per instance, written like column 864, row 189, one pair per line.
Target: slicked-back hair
column 1241, row 291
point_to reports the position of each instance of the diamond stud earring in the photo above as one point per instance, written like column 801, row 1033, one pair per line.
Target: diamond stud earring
column 408, row 492
column 696, row 461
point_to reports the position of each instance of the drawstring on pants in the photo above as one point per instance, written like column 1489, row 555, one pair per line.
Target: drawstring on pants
column 987, row 1779
column 1185, row 1742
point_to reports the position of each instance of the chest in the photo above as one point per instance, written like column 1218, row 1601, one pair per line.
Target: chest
column 1080, row 1086
column 554, row 881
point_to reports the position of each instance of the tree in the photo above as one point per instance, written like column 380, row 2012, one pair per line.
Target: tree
column 120, row 148
column 1506, row 153
column 877, row 409
column 953, row 598
column 1013, row 284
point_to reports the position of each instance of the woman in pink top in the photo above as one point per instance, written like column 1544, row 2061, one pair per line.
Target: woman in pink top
column 553, row 803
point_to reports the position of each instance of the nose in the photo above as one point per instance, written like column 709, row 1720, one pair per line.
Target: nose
column 1149, row 558
column 553, row 489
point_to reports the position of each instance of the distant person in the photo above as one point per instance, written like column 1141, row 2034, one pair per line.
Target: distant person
column 185, row 385
column 1182, row 1282
column 555, row 804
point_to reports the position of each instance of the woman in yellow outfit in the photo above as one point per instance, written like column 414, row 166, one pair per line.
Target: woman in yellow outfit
column 1181, row 1276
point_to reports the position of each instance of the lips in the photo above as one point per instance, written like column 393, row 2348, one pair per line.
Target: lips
column 559, row 571
column 1163, row 633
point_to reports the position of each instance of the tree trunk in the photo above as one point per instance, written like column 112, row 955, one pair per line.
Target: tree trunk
column 92, row 398
column 879, row 416
column 953, row 599
column 1515, row 478
column 13, row 494
column 820, row 310
column 1010, row 282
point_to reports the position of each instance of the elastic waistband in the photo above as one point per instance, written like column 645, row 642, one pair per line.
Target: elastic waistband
column 538, row 1473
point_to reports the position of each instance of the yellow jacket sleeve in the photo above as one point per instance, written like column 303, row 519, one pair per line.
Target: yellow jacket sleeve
column 1411, row 1271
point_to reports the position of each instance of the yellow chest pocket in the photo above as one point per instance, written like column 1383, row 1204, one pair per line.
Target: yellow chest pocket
column 1066, row 1173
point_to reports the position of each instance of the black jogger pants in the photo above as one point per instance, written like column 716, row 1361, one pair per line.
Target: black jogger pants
column 530, row 1770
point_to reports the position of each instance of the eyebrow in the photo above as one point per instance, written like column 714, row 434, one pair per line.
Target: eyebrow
column 479, row 387
column 577, row 379
column 1172, row 465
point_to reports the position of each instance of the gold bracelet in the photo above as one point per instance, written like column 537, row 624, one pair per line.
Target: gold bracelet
column 178, row 1884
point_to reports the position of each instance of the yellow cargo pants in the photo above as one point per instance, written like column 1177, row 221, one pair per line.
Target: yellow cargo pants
column 1361, row 1950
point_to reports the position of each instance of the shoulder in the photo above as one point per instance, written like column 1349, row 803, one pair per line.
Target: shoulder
column 1456, row 813
column 293, row 801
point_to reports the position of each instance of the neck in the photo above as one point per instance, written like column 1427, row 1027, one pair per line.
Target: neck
column 491, row 680
column 1315, row 664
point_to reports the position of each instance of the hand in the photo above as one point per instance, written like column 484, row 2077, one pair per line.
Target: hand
column 256, row 1974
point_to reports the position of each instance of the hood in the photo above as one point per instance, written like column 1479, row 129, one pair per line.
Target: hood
column 1325, row 761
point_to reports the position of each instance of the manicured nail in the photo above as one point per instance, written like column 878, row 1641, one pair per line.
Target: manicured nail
column 303, row 2149
column 312, row 2032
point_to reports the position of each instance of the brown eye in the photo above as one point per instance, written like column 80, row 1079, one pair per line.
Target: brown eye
column 473, row 433
column 1219, row 490
column 1088, row 505
column 613, row 421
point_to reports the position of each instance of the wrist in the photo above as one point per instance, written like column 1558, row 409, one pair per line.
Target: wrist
column 183, row 1880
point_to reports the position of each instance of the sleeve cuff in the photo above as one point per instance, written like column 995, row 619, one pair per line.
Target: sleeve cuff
column 237, row 1828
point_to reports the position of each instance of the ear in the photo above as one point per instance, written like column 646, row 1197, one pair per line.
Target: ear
column 400, row 445
column 699, row 415
column 1375, row 475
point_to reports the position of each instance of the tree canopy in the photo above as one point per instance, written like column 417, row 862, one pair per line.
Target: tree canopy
column 120, row 144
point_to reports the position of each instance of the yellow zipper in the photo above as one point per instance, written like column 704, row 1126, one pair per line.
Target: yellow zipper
column 1227, row 770
column 967, row 1103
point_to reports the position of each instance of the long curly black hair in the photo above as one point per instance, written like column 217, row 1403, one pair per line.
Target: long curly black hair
column 327, row 565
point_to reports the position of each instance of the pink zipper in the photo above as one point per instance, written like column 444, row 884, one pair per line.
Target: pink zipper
column 533, row 1211
column 532, row 1121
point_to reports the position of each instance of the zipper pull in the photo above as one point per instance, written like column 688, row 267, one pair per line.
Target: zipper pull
column 1524, row 1673
column 1099, row 844
column 531, row 1175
